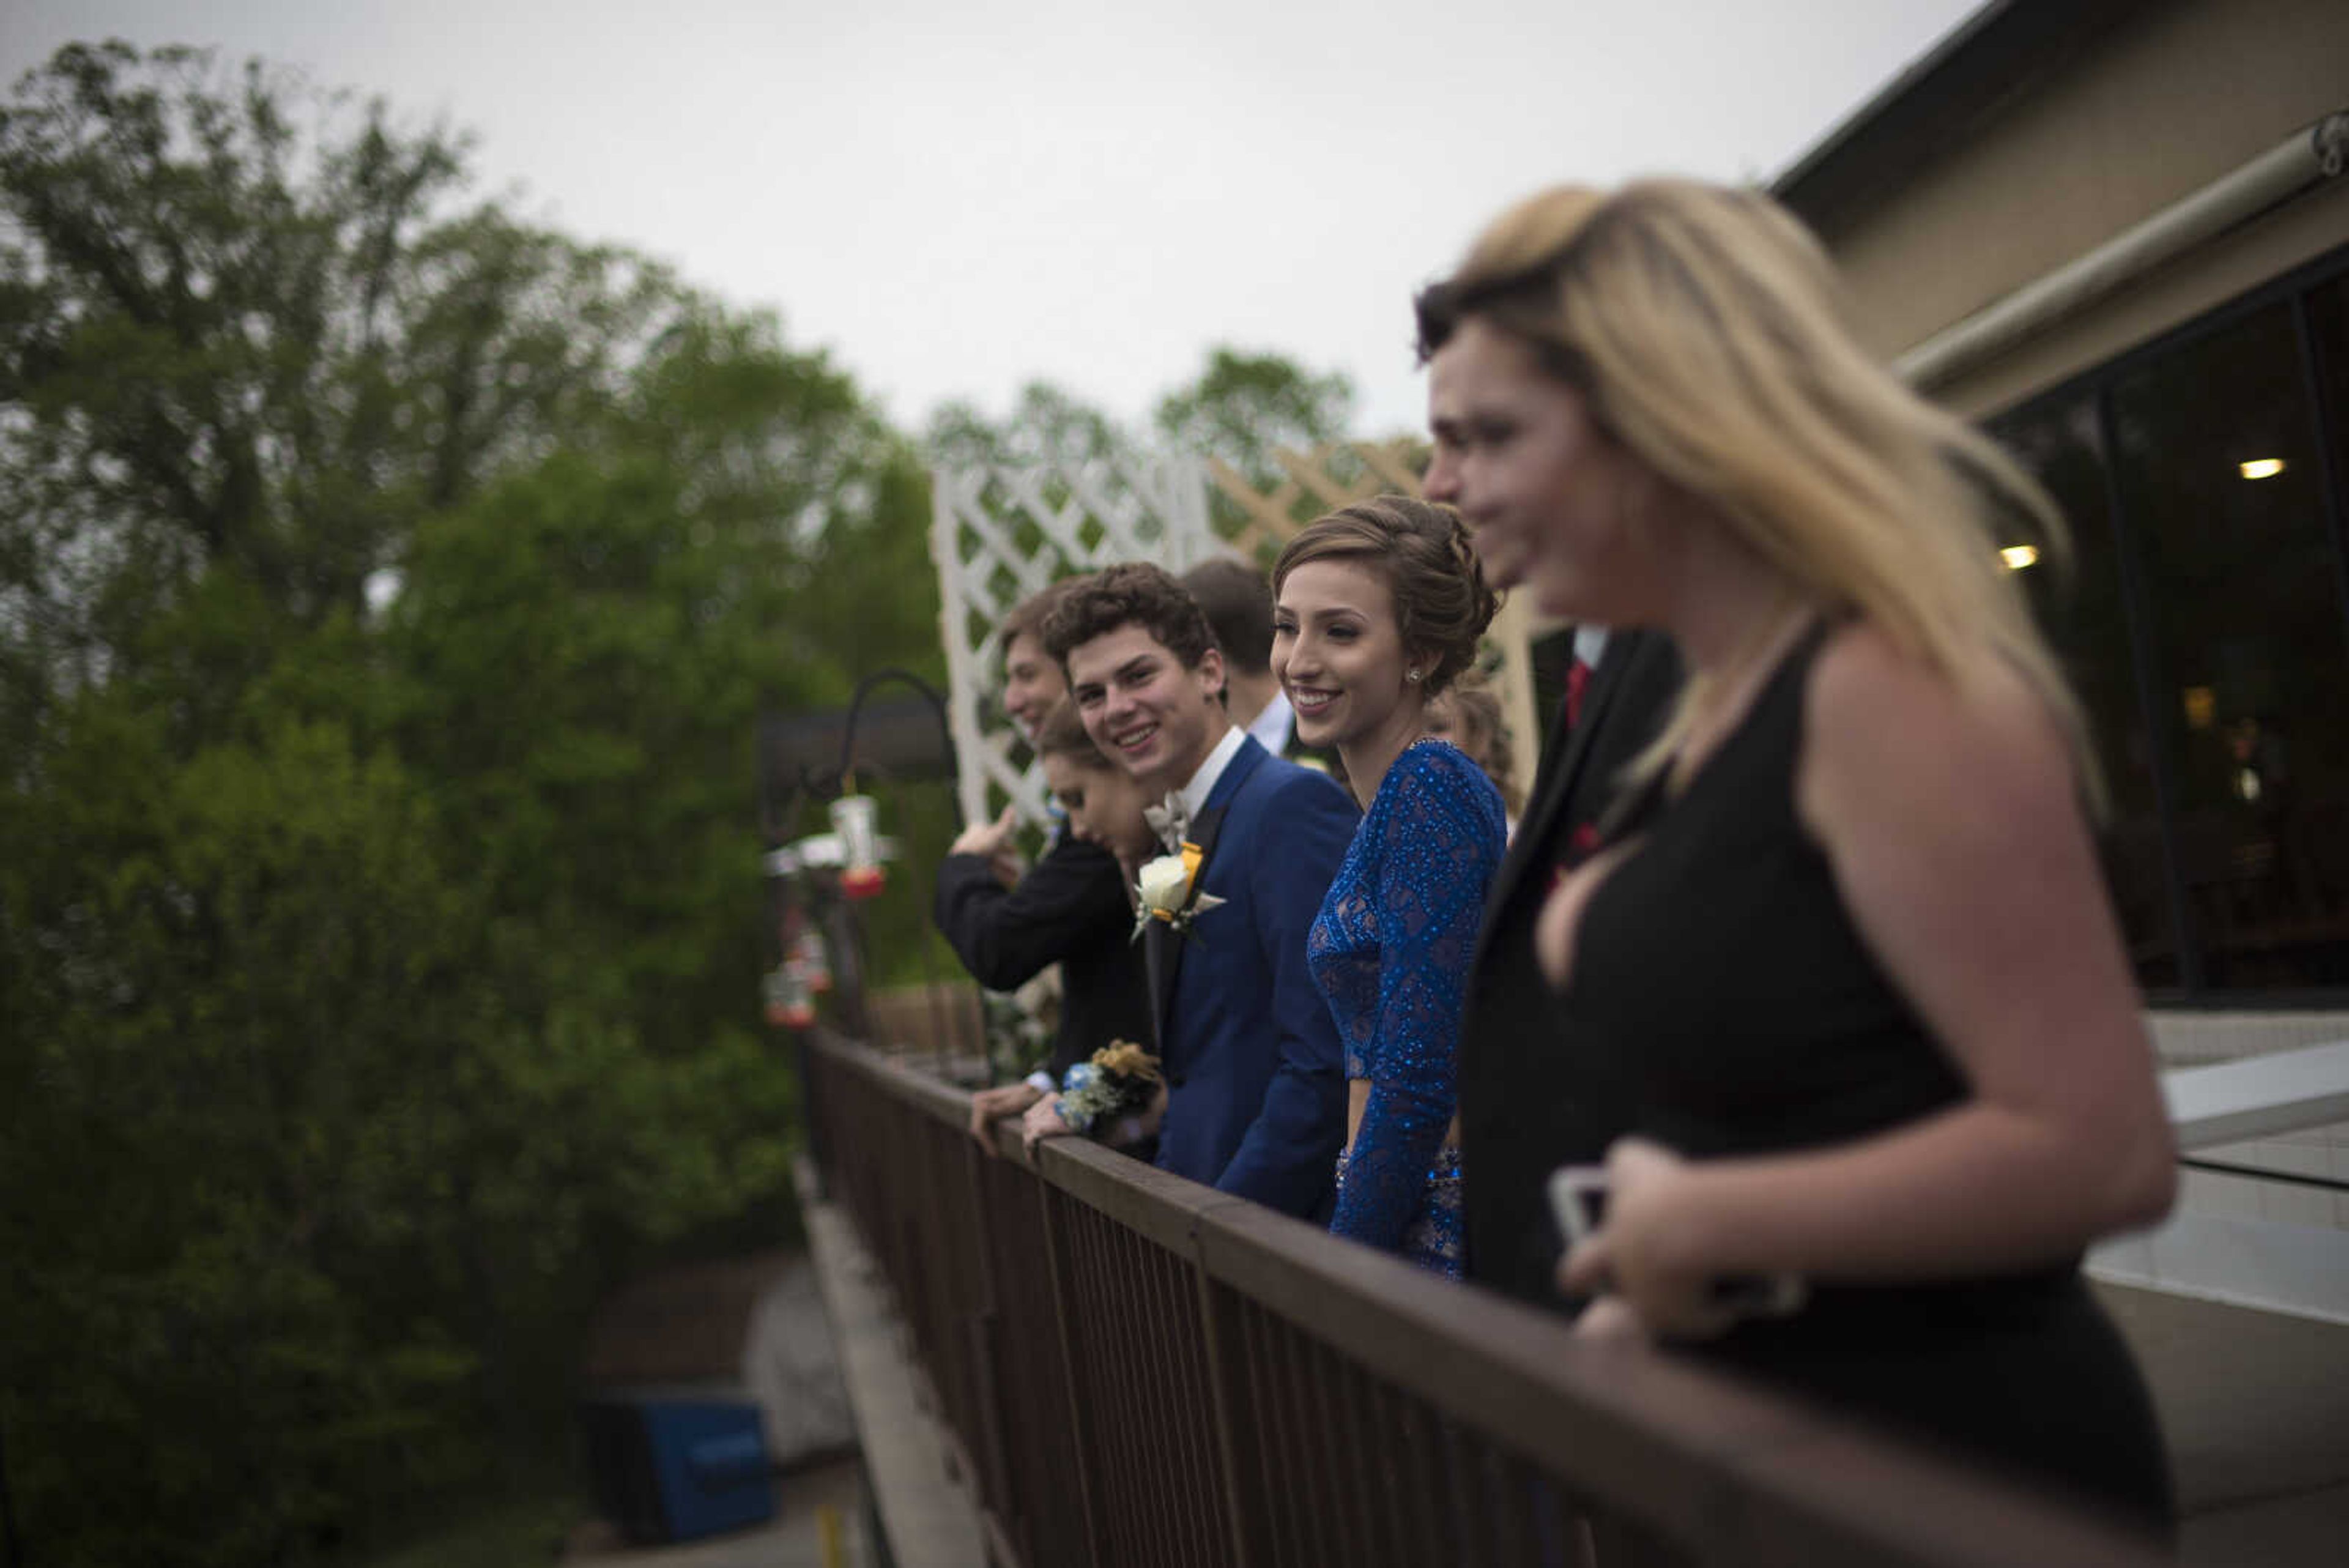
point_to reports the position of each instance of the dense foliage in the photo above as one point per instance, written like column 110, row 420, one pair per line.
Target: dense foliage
column 389, row 590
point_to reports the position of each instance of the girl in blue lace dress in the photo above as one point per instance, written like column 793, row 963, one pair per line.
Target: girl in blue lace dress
column 1380, row 608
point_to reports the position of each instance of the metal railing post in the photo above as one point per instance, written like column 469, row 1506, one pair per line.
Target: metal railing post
column 1246, row 1506
column 1067, row 1330
column 1235, row 1387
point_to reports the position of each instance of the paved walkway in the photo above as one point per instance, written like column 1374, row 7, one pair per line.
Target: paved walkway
column 763, row 1328
column 930, row 1521
column 794, row 1538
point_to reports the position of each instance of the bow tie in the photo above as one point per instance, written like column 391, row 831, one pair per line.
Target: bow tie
column 1171, row 822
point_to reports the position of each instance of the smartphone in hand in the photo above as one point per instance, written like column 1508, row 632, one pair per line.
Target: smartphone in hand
column 1578, row 1200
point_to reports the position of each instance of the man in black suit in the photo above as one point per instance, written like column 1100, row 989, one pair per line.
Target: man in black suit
column 1070, row 909
column 1516, row 1124
column 1523, row 461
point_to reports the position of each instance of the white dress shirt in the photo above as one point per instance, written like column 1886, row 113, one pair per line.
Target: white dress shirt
column 1273, row 727
column 1203, row 782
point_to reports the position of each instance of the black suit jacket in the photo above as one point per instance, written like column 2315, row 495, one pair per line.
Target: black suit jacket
column 1071, row 909
column 1518, row 1120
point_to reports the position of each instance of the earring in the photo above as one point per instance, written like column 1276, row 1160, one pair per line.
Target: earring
column 1411, row 675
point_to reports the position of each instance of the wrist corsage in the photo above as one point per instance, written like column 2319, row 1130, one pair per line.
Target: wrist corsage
column 1119, row 1081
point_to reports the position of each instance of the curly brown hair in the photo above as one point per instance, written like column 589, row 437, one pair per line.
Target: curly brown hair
column 1133, row 593
column 1442, row 603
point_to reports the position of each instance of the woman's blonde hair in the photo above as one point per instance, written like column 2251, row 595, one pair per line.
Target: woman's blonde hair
column 1703, row 329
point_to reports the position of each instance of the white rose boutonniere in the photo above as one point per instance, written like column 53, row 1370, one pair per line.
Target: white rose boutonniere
column 1164, row 889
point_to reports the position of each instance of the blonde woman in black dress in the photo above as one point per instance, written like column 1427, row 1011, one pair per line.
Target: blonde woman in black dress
column 1844, row 959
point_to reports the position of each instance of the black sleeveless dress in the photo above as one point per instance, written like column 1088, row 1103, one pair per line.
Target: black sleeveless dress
column 1720, row 991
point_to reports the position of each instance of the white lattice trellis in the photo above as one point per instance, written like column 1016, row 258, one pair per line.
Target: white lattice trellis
column 998, row 535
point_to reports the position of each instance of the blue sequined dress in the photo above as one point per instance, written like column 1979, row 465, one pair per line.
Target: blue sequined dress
column 1390, row 950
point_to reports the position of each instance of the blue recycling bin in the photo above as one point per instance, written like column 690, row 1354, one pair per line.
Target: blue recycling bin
column 675, row 1467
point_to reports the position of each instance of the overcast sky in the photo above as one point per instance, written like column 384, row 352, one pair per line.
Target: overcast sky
column 957, row 196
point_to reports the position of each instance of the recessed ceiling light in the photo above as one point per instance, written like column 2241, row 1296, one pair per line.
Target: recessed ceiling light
column 2018, row 557
column 2262, row 468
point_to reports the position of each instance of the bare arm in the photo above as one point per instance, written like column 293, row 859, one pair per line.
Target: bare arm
column 1954, row 829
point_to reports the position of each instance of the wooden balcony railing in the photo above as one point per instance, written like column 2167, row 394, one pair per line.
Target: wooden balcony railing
column 1139, row 1370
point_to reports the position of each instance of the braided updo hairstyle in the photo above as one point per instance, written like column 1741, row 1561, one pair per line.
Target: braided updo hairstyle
column 1442, row 603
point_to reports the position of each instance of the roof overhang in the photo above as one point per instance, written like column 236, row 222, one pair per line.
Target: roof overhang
column 1998, row 55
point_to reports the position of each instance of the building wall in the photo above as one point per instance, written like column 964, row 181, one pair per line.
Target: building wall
column 2164, row 104
column 2159, row 108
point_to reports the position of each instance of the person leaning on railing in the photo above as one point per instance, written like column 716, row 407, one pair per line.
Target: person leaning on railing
column 1843, row 952
column 1104, row 807
column 1255, row 1075
column 1070, row 909
column 1380, row 608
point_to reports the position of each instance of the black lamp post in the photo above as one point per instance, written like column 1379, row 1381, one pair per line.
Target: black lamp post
column 854, row 816
column 820, row 879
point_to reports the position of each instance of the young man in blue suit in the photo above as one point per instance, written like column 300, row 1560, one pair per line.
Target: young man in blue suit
column 1256, row 1078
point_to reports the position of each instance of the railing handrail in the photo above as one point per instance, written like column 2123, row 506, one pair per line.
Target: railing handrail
column 1727, row 1471
column 2258, row 1096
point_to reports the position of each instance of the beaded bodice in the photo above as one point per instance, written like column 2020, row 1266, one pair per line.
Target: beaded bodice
column 1391, row 950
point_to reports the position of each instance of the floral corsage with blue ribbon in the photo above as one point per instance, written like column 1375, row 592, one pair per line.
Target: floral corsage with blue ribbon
column 1119, row 1081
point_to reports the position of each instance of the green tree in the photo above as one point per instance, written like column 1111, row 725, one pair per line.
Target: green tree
column 1048, row 423
column 1239, row 408
column 220, row 972
column 228, row 346
column 1244, row 406
column 1242, row 410
column 388, row 593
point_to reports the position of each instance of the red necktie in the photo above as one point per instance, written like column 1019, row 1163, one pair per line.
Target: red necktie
column 1578, row 682
column 1584, row 836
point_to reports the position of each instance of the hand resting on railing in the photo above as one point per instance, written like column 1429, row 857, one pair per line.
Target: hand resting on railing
column 989, row 1106
column 1044, row 1120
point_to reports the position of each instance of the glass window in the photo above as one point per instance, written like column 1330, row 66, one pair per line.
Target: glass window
column 2216, row 452
column 2083, row 611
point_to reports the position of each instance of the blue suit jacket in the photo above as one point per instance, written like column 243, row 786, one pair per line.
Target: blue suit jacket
column 1256, row 1078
